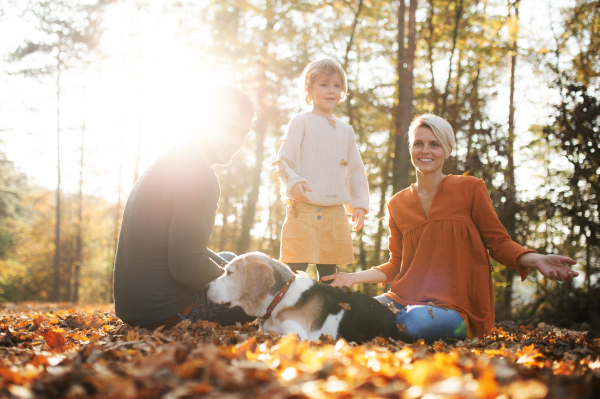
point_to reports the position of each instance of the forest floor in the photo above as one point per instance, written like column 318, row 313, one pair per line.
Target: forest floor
column 50, row 350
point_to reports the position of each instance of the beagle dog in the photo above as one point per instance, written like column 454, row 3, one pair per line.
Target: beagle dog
column 287, row 303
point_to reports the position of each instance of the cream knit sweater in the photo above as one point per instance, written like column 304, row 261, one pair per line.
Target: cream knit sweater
column 327, row 159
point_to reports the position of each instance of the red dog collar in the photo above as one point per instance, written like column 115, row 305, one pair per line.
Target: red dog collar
column 278, row 297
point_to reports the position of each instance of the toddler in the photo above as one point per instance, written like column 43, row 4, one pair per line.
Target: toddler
column 322, row 176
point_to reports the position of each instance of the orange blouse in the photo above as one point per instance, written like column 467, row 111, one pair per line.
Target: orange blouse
column 442, row 258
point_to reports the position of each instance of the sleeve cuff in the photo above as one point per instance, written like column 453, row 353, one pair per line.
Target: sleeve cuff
column 291, row 183
column 523, row 272
column 357, row 203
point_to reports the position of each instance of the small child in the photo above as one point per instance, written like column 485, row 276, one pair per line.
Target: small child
column 321, row 173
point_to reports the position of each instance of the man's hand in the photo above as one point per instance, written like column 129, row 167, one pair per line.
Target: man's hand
column 359, row 217
column 298, row 192
column 553, row 267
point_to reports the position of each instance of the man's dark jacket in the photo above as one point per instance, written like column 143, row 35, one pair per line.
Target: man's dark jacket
column 162, row 257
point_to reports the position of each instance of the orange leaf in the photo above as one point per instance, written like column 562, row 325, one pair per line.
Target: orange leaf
column 37, row 321
column 431, row 313
column 392, row 307
column 54, row 339
column 401, row 327
column 290, row 163
column 466, row 173
column 345, row 306
column 344, row 163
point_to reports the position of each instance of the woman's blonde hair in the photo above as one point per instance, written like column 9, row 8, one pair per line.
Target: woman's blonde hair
column 326, row 66
column 441, row 130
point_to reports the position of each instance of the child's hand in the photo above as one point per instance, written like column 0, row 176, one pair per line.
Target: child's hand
column 359, row 217
column 298, row 192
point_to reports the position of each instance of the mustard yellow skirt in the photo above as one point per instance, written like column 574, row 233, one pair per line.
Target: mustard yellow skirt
column 316, row 234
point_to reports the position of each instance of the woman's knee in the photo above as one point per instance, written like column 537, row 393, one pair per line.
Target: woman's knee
column 431, row 325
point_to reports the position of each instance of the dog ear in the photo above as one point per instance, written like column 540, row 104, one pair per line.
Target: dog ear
column 258, row 282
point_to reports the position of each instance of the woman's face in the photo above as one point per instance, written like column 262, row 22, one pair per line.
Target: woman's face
column 426, row 152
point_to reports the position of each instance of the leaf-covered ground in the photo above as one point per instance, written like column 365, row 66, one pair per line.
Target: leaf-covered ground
column 61, row 350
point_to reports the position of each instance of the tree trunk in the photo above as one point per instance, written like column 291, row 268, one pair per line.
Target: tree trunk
column 56, row 282
column 250, row 211
column 475, row 112
column 79, row 242
column 401, row 161
column 454, row 37
column 224, row 231
column 588, row 266
column 347, row 59
column 383, row 188
column 433, row 93
column 509, row 175
column 138, row 147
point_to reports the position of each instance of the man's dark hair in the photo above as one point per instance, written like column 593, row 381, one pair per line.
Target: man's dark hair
column 223, row 97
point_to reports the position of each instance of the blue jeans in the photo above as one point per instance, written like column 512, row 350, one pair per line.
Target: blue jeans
column 419, row 324
column 206, row 310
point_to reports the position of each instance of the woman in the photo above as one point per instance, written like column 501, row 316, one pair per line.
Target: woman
column 440, row 228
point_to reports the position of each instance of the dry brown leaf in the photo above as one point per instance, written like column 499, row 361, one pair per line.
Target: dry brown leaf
column 289, row 163
column 54, row 339
column 392, row 307
column 347, row 290
column 431, row 313
column 344, row 163
column 345, row 306
column 201, row 357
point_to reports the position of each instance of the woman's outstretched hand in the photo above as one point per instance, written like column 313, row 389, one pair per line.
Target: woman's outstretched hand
column 349, row 279
column 554, row 267
column 340, row 279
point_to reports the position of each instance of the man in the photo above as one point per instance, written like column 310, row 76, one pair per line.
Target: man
column 163, row 262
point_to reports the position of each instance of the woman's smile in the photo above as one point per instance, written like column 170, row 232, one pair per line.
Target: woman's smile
column 426, row 151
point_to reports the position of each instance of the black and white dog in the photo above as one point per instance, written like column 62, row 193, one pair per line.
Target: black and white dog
column 287, row 303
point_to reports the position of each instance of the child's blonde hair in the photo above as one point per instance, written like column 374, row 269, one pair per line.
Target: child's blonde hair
column 441, row 130
column 326, row 66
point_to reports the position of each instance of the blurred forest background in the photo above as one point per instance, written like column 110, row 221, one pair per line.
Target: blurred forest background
column 469, row 61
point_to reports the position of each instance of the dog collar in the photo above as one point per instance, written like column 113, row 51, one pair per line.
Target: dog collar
column 278, row 297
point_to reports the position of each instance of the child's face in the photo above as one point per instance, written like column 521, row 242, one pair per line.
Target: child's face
column 326, row 91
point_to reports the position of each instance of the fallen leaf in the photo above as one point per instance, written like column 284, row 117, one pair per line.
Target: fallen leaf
column 401, row 327
column 392, row 307
column 466, row 173
column 289, row 163
column 344, row 163
column 431, row 313
column 345, row 306
column 347, row 290
column 54, row 339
